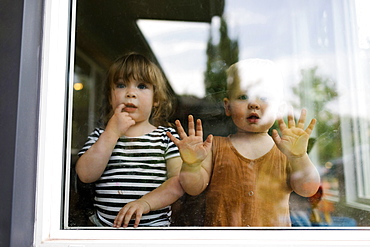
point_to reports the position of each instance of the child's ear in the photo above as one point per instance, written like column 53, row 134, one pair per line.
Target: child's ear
column 155, row 104
column 227, row 107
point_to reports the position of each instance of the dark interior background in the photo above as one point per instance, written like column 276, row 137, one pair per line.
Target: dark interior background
column 104, row 31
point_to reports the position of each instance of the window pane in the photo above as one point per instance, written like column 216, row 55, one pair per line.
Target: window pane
column 321, row 47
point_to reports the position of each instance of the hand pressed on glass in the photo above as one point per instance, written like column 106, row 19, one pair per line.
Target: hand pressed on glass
column 193, row 149
column 294, row 140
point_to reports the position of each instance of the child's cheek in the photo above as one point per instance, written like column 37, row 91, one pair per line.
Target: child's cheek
column 270, row 114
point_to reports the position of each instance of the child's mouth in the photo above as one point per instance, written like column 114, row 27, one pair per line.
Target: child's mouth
column 130, row 107
column 254, row 118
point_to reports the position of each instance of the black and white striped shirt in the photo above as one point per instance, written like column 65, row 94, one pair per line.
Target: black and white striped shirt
column 136, row 167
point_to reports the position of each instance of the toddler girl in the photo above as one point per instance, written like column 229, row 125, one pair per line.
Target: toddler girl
column 132, row 162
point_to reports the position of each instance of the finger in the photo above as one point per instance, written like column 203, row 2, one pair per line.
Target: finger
column 180, row 129
column 172, row 138
column 311, row 126
column 199, row 129
column 275, row 136
column 137, row 218
column 291, row 122
column 208, row 142
column 302, row 119
column 118, row 220
column 119, row 108
column 128, row 216
column 281, row 123
column 128, row 118
column 191, row 130
column 132, row 122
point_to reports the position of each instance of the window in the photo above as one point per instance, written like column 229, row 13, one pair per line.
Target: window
column 322, row 48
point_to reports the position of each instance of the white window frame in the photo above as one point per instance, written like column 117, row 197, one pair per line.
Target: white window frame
column 356, row 158
column 51, row 160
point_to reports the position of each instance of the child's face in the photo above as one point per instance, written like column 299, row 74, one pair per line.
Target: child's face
column 137, row 97
column 253, row 107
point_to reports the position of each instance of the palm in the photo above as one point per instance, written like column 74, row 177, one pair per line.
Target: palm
column 193, row 149
column 294, row 139
column 293, row 142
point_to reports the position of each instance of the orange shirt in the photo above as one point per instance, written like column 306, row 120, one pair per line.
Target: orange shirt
column 244, row 192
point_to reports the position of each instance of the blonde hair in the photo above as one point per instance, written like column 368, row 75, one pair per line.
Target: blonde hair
column 134, row 66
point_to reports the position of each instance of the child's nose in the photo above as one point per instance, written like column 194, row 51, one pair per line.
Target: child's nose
column 253, row 105
column 131, row 93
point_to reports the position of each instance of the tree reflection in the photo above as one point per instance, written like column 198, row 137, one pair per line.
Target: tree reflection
column 318, row 94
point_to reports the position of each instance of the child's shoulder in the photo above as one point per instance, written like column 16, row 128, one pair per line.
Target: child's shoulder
column 161, row 132
column 221, row 139
column 164, row 129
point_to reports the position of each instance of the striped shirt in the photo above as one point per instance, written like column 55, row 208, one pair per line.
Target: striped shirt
column 136, row 167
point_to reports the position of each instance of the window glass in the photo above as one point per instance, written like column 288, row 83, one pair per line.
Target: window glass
column 322, row 49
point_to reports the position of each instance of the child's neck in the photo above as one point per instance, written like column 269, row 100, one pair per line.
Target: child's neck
column 252, row 145
column 140, row 129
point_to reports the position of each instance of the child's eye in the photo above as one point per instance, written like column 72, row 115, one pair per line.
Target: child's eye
column 264, row 99
column 243, row 97
column 142, row 86
column 120, row 85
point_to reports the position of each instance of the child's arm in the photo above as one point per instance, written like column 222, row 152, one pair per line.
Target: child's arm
column 166, row 194
column 196, row 156
column 304, row 179
column 91, row 165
